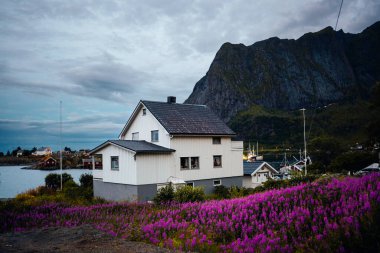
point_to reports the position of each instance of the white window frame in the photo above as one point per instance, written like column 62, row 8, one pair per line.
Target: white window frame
column 134, row 136
column 221, row 161
column 191, row 166
column 152, row 134
column 115, row 168
column 216, row 140
column 144, row 111
column 214, row 184
column 189, row 163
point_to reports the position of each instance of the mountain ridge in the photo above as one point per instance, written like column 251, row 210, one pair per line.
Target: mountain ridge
column 317, row 69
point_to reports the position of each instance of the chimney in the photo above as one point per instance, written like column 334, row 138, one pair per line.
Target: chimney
column 171, row 100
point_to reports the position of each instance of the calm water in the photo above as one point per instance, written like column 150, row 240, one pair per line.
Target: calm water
column 14, row 180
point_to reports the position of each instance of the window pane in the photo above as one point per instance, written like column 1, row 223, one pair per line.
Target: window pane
column 216, row 140
column 114, row 162
column 184, row 163
column 154, row 135
column 144, row 111
column 194, row 163
column 135, row 136
column 217, row 182
column 217, row 161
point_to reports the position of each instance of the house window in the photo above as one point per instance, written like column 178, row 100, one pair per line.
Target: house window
column 184, row 163
column 135, row 136
column 217, row 182
column 154, row 135
column 190, row 184
column 216, row 140
column 114, row 163
column 144, row 112
column 217, row 161
column 194, row 163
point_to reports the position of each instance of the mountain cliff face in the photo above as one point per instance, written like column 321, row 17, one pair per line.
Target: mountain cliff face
column 315, row 70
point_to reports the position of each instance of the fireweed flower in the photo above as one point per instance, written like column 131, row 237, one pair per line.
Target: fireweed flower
column 307, row 217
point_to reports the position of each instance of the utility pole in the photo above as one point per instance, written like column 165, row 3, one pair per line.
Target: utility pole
column 304, row 138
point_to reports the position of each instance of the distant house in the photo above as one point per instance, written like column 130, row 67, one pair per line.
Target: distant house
column 47, row 162
column 297, row 166
column 87, row 163
column 256, row 173
column 42, row 151
column 166, row 142
column 19, row 153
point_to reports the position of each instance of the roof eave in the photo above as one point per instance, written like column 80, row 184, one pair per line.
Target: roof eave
column 202, row 134
column 130, row 120
column 107, row 143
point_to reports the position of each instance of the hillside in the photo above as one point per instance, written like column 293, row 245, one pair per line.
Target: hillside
column 282, row 76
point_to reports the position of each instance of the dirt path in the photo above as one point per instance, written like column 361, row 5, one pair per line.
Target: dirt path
column 79, row 239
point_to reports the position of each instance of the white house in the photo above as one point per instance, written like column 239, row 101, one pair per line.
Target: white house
column 256, row 173
column 42, row 151
column 166, row 140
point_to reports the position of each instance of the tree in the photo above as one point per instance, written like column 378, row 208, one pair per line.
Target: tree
column 323, row 150
column 86, row 180
column 8, row 153
column 53, row 180
column 1, row 154
column 14, row 152
column 67, row 149
column 352, row 161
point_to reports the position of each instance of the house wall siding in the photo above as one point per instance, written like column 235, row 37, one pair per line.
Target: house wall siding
column 203, row 148
column 154, row 168
column 127, row 166
column 144, row 124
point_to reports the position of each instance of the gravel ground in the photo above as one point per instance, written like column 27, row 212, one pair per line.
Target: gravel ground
column 79, row 239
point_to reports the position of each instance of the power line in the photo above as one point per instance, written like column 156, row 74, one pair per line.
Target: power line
column 340, row 8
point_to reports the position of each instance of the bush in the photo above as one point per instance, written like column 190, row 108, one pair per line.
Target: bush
column 189, row 194
column 165, row 194
column 86, row 180
column 273, row 184
column 53, row 180
column 237, row 192
column 221, row 192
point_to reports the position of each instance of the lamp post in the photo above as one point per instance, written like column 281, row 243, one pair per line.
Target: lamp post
column 304, row 138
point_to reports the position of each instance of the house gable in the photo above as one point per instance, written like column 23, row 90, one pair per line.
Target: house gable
column 141, row 124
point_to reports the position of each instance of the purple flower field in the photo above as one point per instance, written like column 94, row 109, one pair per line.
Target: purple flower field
column 330, row 216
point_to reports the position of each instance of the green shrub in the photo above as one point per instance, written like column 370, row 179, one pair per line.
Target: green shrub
column 165, row 194
column 86, row 180
column 221, row 192
column 189, row 194
column 237, row 192
column 53, row 180
column 71, row 190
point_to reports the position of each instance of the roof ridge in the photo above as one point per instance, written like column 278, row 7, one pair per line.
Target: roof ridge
column 162, row 102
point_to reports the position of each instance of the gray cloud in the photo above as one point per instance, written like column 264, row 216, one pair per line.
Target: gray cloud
column 99, row 52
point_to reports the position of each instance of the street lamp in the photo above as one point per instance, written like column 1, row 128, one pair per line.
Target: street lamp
column 304, row 138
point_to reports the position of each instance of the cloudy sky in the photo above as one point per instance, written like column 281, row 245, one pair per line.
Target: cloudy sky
column 101, row 57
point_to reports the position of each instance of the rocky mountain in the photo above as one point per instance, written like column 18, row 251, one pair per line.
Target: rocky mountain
column 279, row 74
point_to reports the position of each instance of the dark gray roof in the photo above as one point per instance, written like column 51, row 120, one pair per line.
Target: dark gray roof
column 250, row 167
column 137, row 146
column 187, row 119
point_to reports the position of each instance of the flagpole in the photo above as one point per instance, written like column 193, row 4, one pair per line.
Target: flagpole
column 60, row 140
